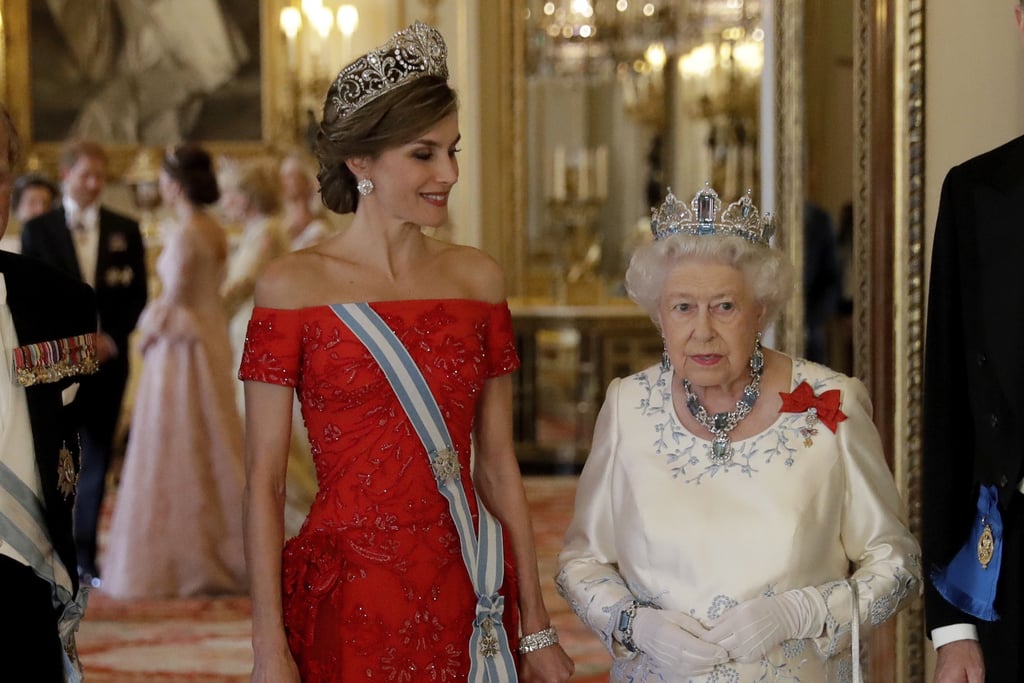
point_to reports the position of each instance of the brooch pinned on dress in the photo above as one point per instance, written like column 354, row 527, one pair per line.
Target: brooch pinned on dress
column 822, row 409
column 445, row 463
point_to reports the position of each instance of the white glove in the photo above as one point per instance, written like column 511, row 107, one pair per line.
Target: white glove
column 673, row 641
column 753, row 628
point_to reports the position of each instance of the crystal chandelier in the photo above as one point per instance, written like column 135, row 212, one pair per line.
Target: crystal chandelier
column 717, row 46
column 591, row 37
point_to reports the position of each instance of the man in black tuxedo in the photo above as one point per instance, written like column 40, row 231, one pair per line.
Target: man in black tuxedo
column 103, row 249
column 47, row 337
column 974, row 417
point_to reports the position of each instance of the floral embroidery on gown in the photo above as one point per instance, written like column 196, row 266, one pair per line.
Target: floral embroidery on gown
column 657, row 520
column 177, row 524
column 374, row 585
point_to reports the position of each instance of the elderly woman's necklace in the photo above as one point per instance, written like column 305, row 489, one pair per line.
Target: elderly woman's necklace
column 720, row 424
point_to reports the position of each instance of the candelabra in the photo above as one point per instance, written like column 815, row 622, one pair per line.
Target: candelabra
column 578, row 190
column 313, row 51
column 643, row 86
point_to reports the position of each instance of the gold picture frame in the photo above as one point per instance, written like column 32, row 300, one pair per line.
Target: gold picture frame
column 266, row 128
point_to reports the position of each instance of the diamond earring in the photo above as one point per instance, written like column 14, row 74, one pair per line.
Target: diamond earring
column 365, row 186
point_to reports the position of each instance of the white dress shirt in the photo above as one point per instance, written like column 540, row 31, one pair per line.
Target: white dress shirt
column 84, row 225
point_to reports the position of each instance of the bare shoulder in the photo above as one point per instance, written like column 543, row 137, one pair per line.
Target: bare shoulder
column 474, row 271
column 286, row 281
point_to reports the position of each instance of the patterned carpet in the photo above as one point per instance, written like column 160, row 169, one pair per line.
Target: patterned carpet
column 207, row 641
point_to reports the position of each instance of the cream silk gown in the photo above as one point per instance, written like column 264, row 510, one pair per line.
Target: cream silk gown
column 797, row 506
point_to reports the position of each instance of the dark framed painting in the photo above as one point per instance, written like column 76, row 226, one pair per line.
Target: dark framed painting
column 143, row 73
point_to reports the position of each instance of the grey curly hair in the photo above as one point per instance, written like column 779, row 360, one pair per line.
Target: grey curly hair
column 768, row 273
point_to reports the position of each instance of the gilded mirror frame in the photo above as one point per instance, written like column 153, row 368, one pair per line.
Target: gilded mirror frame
column 888, row 224
column 15, row 88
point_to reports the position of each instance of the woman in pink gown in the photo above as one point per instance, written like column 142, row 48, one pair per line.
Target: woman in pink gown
column 376, row 584
column 177, row 526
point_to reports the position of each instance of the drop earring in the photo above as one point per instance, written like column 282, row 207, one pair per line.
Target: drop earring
column 666, row 363
column 365, row 186
column 757, row 358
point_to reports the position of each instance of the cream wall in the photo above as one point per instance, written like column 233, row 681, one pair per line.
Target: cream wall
column 458, row 21
column 974, row 75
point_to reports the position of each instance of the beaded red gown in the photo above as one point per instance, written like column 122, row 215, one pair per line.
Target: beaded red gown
column 374, row 585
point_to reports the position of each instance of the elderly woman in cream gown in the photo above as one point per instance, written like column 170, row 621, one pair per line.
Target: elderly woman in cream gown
column 252, row 198
column 735, row 520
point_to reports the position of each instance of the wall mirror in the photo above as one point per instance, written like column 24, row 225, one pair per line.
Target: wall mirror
column 840, row 125
column 623, row 99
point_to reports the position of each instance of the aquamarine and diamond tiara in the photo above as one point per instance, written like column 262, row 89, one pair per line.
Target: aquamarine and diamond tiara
column 412, row 53
column 700, row 218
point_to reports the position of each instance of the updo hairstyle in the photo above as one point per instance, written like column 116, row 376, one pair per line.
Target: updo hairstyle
column 768, row 272
column 394, row 119
column 191, row 167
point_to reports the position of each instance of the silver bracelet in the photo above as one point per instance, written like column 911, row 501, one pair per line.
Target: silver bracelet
column 625, row 626
column 538, row 640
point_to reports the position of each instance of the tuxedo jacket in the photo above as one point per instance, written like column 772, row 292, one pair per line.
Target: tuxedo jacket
column 47, row 305
column 974, row 361
column 120, row 265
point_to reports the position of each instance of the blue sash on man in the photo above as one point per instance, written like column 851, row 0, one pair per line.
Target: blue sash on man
column 969, row 582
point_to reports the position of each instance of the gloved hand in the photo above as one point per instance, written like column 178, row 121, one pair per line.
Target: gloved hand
column 753, row 628
column 673, row 641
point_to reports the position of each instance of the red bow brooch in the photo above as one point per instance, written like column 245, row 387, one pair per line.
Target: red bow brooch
column 824, row 409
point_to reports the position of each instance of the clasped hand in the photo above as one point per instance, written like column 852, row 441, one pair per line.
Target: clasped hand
column 676, row 641
column 745, row 633
column 753, row 628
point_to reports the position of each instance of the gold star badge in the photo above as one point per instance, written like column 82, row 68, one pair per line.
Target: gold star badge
column 67, row 477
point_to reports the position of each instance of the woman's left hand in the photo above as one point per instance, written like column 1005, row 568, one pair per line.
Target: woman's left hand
column 546, row 665
column 753, row 628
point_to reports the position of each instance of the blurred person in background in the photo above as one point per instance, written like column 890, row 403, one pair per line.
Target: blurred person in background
column 252, row 199
column 183, row 474
column 304, row 222
column 33, row 194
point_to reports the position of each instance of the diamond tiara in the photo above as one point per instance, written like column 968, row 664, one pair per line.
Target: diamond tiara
column 700, row 218
column 412, row 53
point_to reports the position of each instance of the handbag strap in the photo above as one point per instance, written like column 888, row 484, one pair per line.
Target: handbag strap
column 857, row 677
column 490, row 654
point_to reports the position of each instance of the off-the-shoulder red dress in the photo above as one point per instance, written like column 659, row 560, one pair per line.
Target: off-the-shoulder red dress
column 374, row 585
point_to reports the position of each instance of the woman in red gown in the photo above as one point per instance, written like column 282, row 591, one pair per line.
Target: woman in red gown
column 374, row 586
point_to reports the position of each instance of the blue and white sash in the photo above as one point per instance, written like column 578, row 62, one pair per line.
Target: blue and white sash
column 490, row 654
